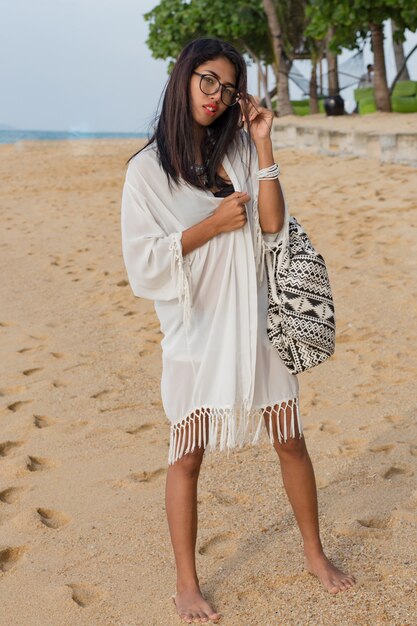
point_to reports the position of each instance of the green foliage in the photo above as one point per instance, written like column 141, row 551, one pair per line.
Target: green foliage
column 292, row 19
column 351, row 19
column 173, row 23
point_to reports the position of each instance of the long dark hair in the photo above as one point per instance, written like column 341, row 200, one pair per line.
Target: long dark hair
column 174, row 132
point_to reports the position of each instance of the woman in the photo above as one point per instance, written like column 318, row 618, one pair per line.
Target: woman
column 199, row 202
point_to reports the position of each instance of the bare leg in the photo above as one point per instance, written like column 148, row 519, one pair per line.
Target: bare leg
column 300, row 485
column 181, row 506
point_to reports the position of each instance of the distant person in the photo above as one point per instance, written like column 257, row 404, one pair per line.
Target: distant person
column 198, row 202
column 367, row 79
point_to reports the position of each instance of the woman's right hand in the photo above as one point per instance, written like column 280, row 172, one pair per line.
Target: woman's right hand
column 231, row 212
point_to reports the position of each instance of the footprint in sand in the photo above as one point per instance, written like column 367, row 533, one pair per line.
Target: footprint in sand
column 139, row 429
column 31, row 371
column 75, row 425
column 53, row 519
column 59, row 383
column 147, row 477
column 58, row 355
column 10, row 495
column 329, row 427
column 383, row 448
column 23, row 350
column 393, row 419
column 15, row 406
column 394, row 472
column 6, row 447
column 10, row 556
column 413, row 449
column 84, row 594
column 41, row 421
column 120, row 407
column 374, row 522
column 102, row 393
column 38, row 464
column 39, row 338
column 221, row 545
column 228, row 499
column 351, row 446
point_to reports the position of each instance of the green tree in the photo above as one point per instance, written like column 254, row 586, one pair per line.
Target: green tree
column 286, row 20
column 353, row 21
column 173, row 23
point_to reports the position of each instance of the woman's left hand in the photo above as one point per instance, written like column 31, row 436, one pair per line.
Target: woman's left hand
column 260, row 119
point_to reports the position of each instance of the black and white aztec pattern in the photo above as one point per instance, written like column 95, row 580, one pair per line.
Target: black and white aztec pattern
column 301, row 320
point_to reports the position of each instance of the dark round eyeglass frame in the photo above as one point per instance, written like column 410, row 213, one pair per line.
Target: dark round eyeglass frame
column 221, row 86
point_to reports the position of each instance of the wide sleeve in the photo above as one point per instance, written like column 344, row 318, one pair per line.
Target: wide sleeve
column 154, row 262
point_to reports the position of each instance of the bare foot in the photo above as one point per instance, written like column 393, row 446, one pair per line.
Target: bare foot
column 330, row 576
column 192, row 608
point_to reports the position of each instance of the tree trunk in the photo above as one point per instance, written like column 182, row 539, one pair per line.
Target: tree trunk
column 283, row 96
column 314, row 105
column 399, row 54
column 321, row 76
column 264, row 79
column 381, row 92
column 262, row 76
column 391, row 89
column 281, row 65
column 332, row 74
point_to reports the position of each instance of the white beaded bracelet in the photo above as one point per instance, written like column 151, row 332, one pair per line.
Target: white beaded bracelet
column 269, row 173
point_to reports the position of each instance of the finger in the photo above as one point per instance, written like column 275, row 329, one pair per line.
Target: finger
column 255, row 99
column 255, row 106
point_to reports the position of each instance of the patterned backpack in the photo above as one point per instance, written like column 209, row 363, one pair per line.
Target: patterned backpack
column 301, row 320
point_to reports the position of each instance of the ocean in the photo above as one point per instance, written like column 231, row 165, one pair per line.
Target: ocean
column 13, row 136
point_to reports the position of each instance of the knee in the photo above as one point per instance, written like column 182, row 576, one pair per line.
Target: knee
column 190, row 463
column 293, row 448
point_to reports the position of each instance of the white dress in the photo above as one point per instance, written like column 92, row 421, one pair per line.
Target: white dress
column 212, row 306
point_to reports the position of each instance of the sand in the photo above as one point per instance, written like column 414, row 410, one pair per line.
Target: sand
column 84, row 441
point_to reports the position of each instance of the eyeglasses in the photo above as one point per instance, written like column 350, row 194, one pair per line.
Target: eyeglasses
column 210, row 85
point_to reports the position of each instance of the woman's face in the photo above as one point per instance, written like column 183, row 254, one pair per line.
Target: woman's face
column 207, row 108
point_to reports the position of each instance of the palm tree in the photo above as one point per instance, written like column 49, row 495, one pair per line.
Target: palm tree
column 381, row 91
column 399, row 53
column 332, row 73
column 286, row 22
column 280, row 66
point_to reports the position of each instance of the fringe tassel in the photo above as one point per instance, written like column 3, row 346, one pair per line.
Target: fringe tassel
column 230, row 427
column 269, row 251
column 181, row 271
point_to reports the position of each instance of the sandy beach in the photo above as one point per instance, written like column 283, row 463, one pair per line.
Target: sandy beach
column 84, row 441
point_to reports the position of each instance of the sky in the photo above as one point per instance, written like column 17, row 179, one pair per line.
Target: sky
column 84, row 65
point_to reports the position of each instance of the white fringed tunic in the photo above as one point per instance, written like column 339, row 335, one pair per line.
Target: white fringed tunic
column 212, row 306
